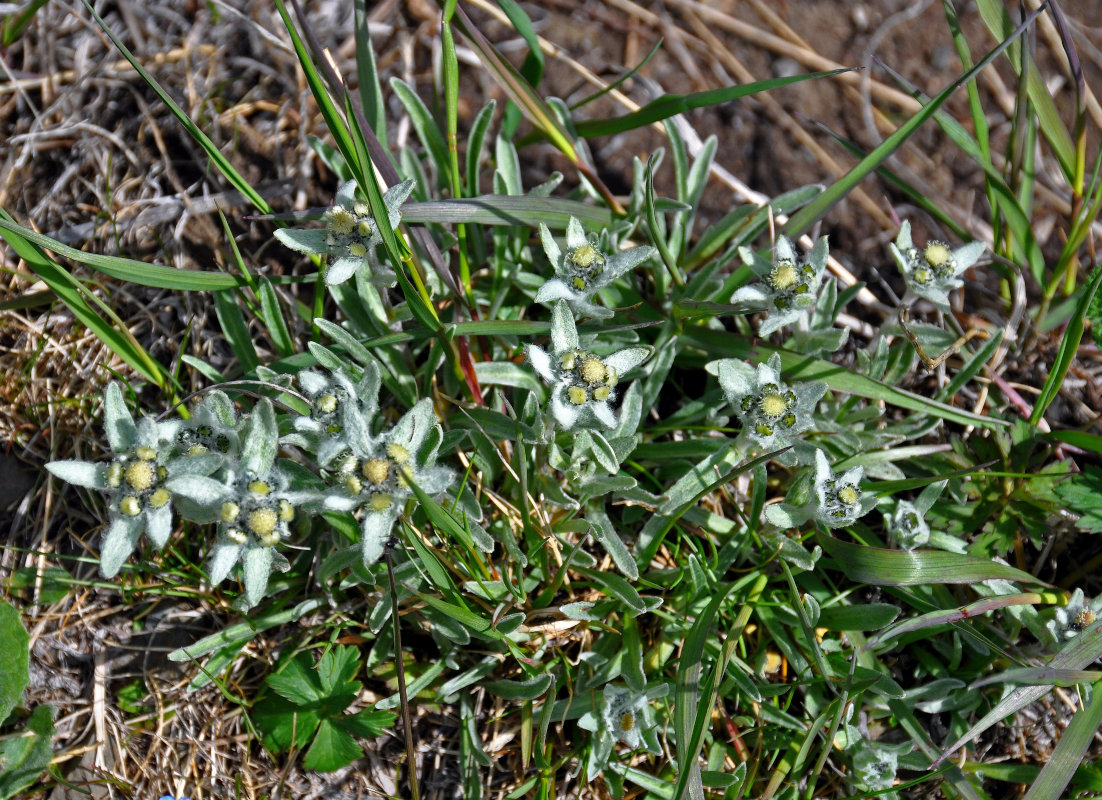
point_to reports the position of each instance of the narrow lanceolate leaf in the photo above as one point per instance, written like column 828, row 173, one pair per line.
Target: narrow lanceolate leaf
column 261, row 439
column 670, row 105
column 880, row 567
column 1069, row 752
column 503, row 209
column 945, row 617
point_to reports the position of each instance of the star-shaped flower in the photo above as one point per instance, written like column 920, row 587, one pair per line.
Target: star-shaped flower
column 338, row 407
column 376, row 477
column 256, row 504
column 623, row 716
column 772, row 412
column 932, row 272
column 584, row 270
column 788, row 289
column 907, row 526
column 1078, row 615
column 142, row 479
column 582, row 383
column 839, row 500
column 351, row 235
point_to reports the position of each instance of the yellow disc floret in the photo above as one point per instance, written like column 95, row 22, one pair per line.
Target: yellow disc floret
column 230, row 511
column 772, row 404
column 341, row 221
column 159, row 498
column 398, row 454
column 601, row 393
column 140, row 475
column 783, row 276
column 286, row 511
column 586, row 256
column 262, row 521
column 376, row 470
column 327, row 403
column 236, row 535
column 146, row 453
column 380, row 501
column 130, row 505
column 577, row 395
column 848, row 494
column 114, row 474
column 260, row 487
column 627, row 721
column 937, row 254
column 357, row 249
column 593, row 371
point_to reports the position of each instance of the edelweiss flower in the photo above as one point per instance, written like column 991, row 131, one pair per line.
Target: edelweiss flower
column 772, row 412
column 582, row 382
column 625, row 716
column 211, row 429
column 336, row 405
column 907, row 526
column 351, row 235
column 789, row 289
column 376, row 477
column 141, row 480
column 932, row 273
column 255, row 507
column 584, row 270
column 1078, row 615
column 838, row 501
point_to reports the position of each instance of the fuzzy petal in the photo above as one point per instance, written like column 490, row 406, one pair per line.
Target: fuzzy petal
column 376, row 530
column 222, row 558
column 783, row 250
column 565, row 414
column 604, row 414
column 158, row 525
column 564, row 335
column 258, row 451
column 575, row 233
column 624, row 261
column 627, row 359
column 555, row 289
column 435, row 480
column 551, row 248
column 968, row 255
column 118, row 543
column 346, row 194
column 79, row 473
column 311, row 241
column 119, row 425
column 541, row 363
column 903, row 239
column 257, row 566
column 342, row 269
column 750, row 296
column 313, row 383
column 199, row 489
column 341, row 502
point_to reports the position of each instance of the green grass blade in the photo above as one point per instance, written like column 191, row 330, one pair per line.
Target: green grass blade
column 1070, row 750
column 371, row 92
column 139, row 272
column 672, row 104
column 424, row 126
column 242, row 631
column 273, row 319
column 879, row 567
column 805, row 217
column 1069, row 345
column 993, row 13
column 14, row 25
column 504, row 209
column 209, row 147
column 115, row 334
column 232, row 321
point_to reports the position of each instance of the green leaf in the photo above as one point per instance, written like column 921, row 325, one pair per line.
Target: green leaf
column 1082, row 495
column 366, row 724
column 297, row 680
column 24, row 757
column 232, row 321
column 273, row 319
column 866, row 617
column 332, row 749
column 670, row 105
column 528, row 689
column 880, row 567
column 15, row 657
column 282, row 724
column 338, row 667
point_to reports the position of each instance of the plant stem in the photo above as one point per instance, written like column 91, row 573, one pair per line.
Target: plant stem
column 400, row 667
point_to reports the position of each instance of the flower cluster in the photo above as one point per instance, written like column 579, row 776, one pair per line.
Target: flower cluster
column 584, row 269
column 839, row 500
column 583, row 383
column 931, row 273
column 1078, row 615
column 789, row 288
column 626, row 716
column 772, row 413
column 351, row 235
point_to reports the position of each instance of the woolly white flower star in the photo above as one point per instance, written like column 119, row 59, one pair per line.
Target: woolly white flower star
column 142, row 479
column 1078, row 615
column 376, row 476
column 788, row 289
column 932, row 272
column 584, row 270
column 838, row 501
column 351, row 235
column 772, row 413
column 582, row 382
